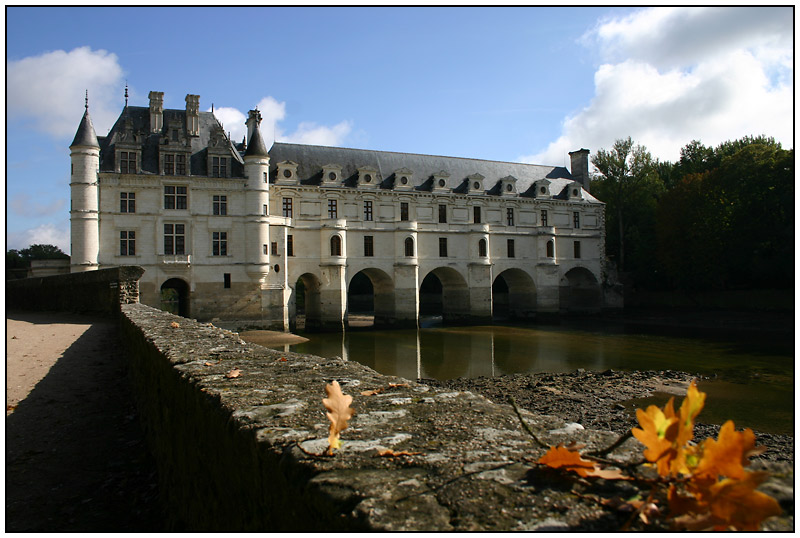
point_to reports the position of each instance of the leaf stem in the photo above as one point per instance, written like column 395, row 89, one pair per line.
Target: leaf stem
column 524, row 424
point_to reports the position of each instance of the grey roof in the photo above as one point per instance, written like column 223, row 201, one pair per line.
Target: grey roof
column 256, row 146
column 85, row 136
column 311, row 159
column 138, row 118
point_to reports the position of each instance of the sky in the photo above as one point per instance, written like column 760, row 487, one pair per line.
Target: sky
column 517, row 84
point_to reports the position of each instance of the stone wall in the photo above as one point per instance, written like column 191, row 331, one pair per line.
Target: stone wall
column 246, row 452
column 99, row 291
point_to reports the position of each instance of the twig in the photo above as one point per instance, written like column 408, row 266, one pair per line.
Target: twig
column 602, row 452
column 524, row 424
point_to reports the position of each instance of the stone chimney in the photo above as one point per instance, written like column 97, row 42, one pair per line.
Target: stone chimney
column 156, row 111
column 253, row 121
column 579, row 167
column 193, row 114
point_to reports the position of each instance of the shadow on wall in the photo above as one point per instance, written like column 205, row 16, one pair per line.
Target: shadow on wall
column 76, row 460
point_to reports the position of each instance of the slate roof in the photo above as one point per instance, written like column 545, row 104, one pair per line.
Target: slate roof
column 85, row 136
column 311, row 159
column 149, row 143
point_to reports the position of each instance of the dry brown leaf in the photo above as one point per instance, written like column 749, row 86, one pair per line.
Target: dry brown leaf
column 395, row 385
column 339, row 412
column 233, row 373
column 174, row 325
column 389, row 453
column 371, row 392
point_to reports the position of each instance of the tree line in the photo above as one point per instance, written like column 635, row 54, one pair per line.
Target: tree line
column 19, row 261
column 720, row 218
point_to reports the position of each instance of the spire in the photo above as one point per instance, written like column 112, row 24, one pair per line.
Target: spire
column 85, row 135
column 256, row 145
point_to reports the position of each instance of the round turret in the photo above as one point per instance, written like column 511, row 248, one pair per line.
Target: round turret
column 84, row 217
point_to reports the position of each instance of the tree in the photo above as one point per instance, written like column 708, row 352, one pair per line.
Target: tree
column 43, row 252
column 629, row 185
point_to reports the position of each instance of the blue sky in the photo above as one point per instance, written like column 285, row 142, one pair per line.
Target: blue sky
column 510, row 84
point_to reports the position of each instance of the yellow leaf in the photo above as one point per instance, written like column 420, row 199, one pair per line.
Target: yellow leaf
column 728, row 455
column 690, row 407
column 658, row 433
column 339, row 412
column 389, row 453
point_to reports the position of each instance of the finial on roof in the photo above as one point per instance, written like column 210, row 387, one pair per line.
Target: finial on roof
column 212, row 108
column 126, row 94
column 86, row 104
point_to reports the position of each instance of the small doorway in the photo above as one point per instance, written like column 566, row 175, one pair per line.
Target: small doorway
column 175, row 297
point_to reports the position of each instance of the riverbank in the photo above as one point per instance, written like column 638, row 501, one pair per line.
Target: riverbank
column 603, row 400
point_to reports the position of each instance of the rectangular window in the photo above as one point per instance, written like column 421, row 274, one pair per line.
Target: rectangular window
column 219, row 243
column 127, row 243
column 510, row 216
column 127, row 202
column 287, row 207
column 219, row 204
column 368, row 210
column 266, row 250
column 174, row 239
column 219, row 167
column 274, row 246
column 510, row 245
column 403, row 211
column 265, row 210
column 442, row 247
column 576, row 219
column 127, row 162
column 226, row 280
column 174, row 197
column 476, row 215
column 442, row 213
column 169, row 165
column 368, row 246
column 577, row 249
column 544, row 217
column 332, row 209
column 180, row 165
column 290, row 245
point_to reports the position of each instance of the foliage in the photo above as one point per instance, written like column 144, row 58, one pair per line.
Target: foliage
column 18, row 261
column 339, row 412
column 704, row 486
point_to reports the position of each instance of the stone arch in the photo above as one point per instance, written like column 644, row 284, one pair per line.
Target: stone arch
column 445, row 291
column 307, row 303
column 371, row 291
column 175, row 296
column 513, row 295
column 580, row 291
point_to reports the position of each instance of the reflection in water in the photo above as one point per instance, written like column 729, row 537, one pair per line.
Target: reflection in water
column 766, row 367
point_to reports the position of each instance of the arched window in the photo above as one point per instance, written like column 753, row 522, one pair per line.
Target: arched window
column 482, row 248
column 409, row 247
column 336, row 246
column 550, row 249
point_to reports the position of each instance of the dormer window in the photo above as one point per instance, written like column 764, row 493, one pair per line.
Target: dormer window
column 508, row 186
column 331, row 175
column 287, row 173
column 403, row 179
column 440, row 180
column 219, row 167
column 542, row 188
column 367, row 177
column 127, row 162
column 475, row 184
column 575, row 191
column 174, row 164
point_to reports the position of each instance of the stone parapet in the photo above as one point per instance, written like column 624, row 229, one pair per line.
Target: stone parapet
column 239, row 433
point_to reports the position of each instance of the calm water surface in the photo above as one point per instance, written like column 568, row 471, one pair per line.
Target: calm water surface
column 753, row 384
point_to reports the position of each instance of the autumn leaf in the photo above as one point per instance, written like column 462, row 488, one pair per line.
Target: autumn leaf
column 372, row 392
column 658, row 433
column 739, row 504
column 339, row 412
column 395, row 385
column 728, row 455
column 174, row 325
column 233, row 373
column 690, row 407
column 561, row 457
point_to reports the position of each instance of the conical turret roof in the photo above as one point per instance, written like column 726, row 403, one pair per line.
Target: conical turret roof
column 85, row 135
column 256, row 145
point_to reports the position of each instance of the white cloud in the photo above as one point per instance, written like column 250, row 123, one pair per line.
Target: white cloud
column 673, row 75
column 49, row 89
column 44, row 234
column 272, row 113
column 26, row 206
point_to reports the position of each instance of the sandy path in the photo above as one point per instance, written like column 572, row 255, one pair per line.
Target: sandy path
column 34, row 342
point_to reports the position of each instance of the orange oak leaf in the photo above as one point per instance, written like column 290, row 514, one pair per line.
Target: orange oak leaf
column 561, row 457
column 728, row 455
column 389, row 453
column 233, row 373
column 738, row 504
column 371, row 392
column 690, row 407
column 339, row 412
column 658, row 433
column 174, row 325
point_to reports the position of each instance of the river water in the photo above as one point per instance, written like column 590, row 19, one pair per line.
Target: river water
column 753, row 380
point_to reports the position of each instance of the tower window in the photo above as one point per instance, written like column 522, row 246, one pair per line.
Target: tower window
column 576, row 219
column 127, row 243
column 219, row 243
column 442, row 213
column 174, row 239
column 550, row 249
column 127, row 162
column 510, row 216
column 127, row 202
column 476, row 214
column 404, row 211
column 174, row 197
column 482, row 248
column 368, row 246
column 274, row 246
column 544, row 217
column 510, row 248
column 287, row 207
column 409, row 244
column 368, row 210
column 219, row 204
column 336, row 246
column 332, row 211
column 290, row 245
column 442, row 247
column 577, row 249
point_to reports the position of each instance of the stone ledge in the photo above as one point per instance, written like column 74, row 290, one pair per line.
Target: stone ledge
column 239, row 454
